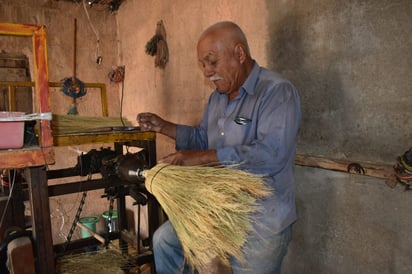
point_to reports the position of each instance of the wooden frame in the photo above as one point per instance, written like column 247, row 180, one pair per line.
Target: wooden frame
column 43, row 155
column 12, row 89
column 35, row 159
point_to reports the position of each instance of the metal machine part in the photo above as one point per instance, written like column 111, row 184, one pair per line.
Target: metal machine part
column 130, row 167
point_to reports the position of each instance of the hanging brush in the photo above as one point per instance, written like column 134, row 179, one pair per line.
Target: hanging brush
column 209, row 207
column 72, row 86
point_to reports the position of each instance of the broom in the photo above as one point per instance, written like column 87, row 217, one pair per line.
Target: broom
column 209, row 208
column 62, row 124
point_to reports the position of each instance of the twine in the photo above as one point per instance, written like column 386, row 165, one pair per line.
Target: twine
column 154, row 175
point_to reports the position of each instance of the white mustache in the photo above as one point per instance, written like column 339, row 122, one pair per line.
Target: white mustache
column 215, row 78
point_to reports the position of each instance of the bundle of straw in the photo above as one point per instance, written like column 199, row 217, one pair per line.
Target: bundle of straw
column 209, row 207
column 74, row 123
column 97, row 262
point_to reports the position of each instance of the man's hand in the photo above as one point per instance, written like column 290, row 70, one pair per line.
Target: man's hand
column 191, row 158
column 152, row 122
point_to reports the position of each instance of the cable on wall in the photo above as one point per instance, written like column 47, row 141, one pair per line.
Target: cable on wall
column 99, row 58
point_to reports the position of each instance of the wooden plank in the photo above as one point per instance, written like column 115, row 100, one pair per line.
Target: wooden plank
column 20, row 256
column 26, row 157
column 377, row 170
column 42, row 99
column 103, row 137
column 39, row 200
column 17, row 29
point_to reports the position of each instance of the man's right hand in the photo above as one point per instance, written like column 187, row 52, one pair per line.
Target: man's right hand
column 152, row 122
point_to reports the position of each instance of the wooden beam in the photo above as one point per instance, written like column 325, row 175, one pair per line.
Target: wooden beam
column 42, row 232
column 377, row 170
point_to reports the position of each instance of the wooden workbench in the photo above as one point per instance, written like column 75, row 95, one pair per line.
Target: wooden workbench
column 35, row 159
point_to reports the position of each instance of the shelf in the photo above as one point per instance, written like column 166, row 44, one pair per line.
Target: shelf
column 26, row 157
column 102, row 137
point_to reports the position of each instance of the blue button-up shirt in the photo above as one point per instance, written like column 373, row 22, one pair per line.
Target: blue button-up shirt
column 265, row 143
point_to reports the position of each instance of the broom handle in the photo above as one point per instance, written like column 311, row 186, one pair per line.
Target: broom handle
column 97, row 236
column 94, row 234
column 74, row 49
column 139, row 173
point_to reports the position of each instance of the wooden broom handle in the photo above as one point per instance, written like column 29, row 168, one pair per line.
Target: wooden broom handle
column 94, row 234
column 97, row 236
column 74, row 49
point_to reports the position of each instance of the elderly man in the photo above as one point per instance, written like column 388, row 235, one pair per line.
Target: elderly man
column 252, row 120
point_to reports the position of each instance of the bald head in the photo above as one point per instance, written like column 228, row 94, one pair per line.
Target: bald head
column 224, row 57
column 228, row 33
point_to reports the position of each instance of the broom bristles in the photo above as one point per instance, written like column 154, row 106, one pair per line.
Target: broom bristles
column 209, row 207
column 73, row 123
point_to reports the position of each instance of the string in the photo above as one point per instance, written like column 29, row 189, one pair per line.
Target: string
column 94, row 30
column 157, row 172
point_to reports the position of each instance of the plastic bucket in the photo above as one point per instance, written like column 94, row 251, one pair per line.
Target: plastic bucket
column 111, row 224
column 89, row 222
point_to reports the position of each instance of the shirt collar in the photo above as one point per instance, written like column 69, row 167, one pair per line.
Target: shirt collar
column 250, row 83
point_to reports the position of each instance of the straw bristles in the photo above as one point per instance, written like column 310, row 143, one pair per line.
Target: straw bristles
column 209, row 207
column 73, row 123
column 102, row 261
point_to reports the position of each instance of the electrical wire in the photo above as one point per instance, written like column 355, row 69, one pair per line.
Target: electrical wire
column 121, row 103
column 98, row 57
column 11, row 184
column 117, row 75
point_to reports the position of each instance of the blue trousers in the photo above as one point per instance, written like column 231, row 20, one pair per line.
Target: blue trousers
column 263, row 255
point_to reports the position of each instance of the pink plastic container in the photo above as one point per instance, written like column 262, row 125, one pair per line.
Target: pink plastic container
column 12, row 133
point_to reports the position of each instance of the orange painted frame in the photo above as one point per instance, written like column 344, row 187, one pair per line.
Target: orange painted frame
column 33, row 157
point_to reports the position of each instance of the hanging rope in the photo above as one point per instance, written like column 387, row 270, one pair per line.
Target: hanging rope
column 157, row 46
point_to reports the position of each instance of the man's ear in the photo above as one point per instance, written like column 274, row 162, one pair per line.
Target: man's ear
column 240, row 53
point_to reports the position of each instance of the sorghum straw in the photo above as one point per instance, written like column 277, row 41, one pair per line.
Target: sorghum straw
column 209, row 207
column 74, row 123
column 97, row 262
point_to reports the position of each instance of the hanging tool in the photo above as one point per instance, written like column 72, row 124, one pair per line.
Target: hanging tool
column 72, row 86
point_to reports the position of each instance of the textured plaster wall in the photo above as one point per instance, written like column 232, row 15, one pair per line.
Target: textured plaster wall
column 178, row 92
column 349, row 224
column 351, row 62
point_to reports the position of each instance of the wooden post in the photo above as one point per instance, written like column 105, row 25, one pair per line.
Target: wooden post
column 39, row 200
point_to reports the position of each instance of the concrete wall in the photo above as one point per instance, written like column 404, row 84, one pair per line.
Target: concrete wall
column 351, row 62
column 349, row 59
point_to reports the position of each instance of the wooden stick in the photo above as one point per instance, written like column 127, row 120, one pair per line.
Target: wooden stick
column 94, row 234
column 377, row 170
column 98, row 237
column 74, row 49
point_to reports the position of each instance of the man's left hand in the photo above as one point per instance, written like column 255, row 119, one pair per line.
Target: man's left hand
column 191, row 158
